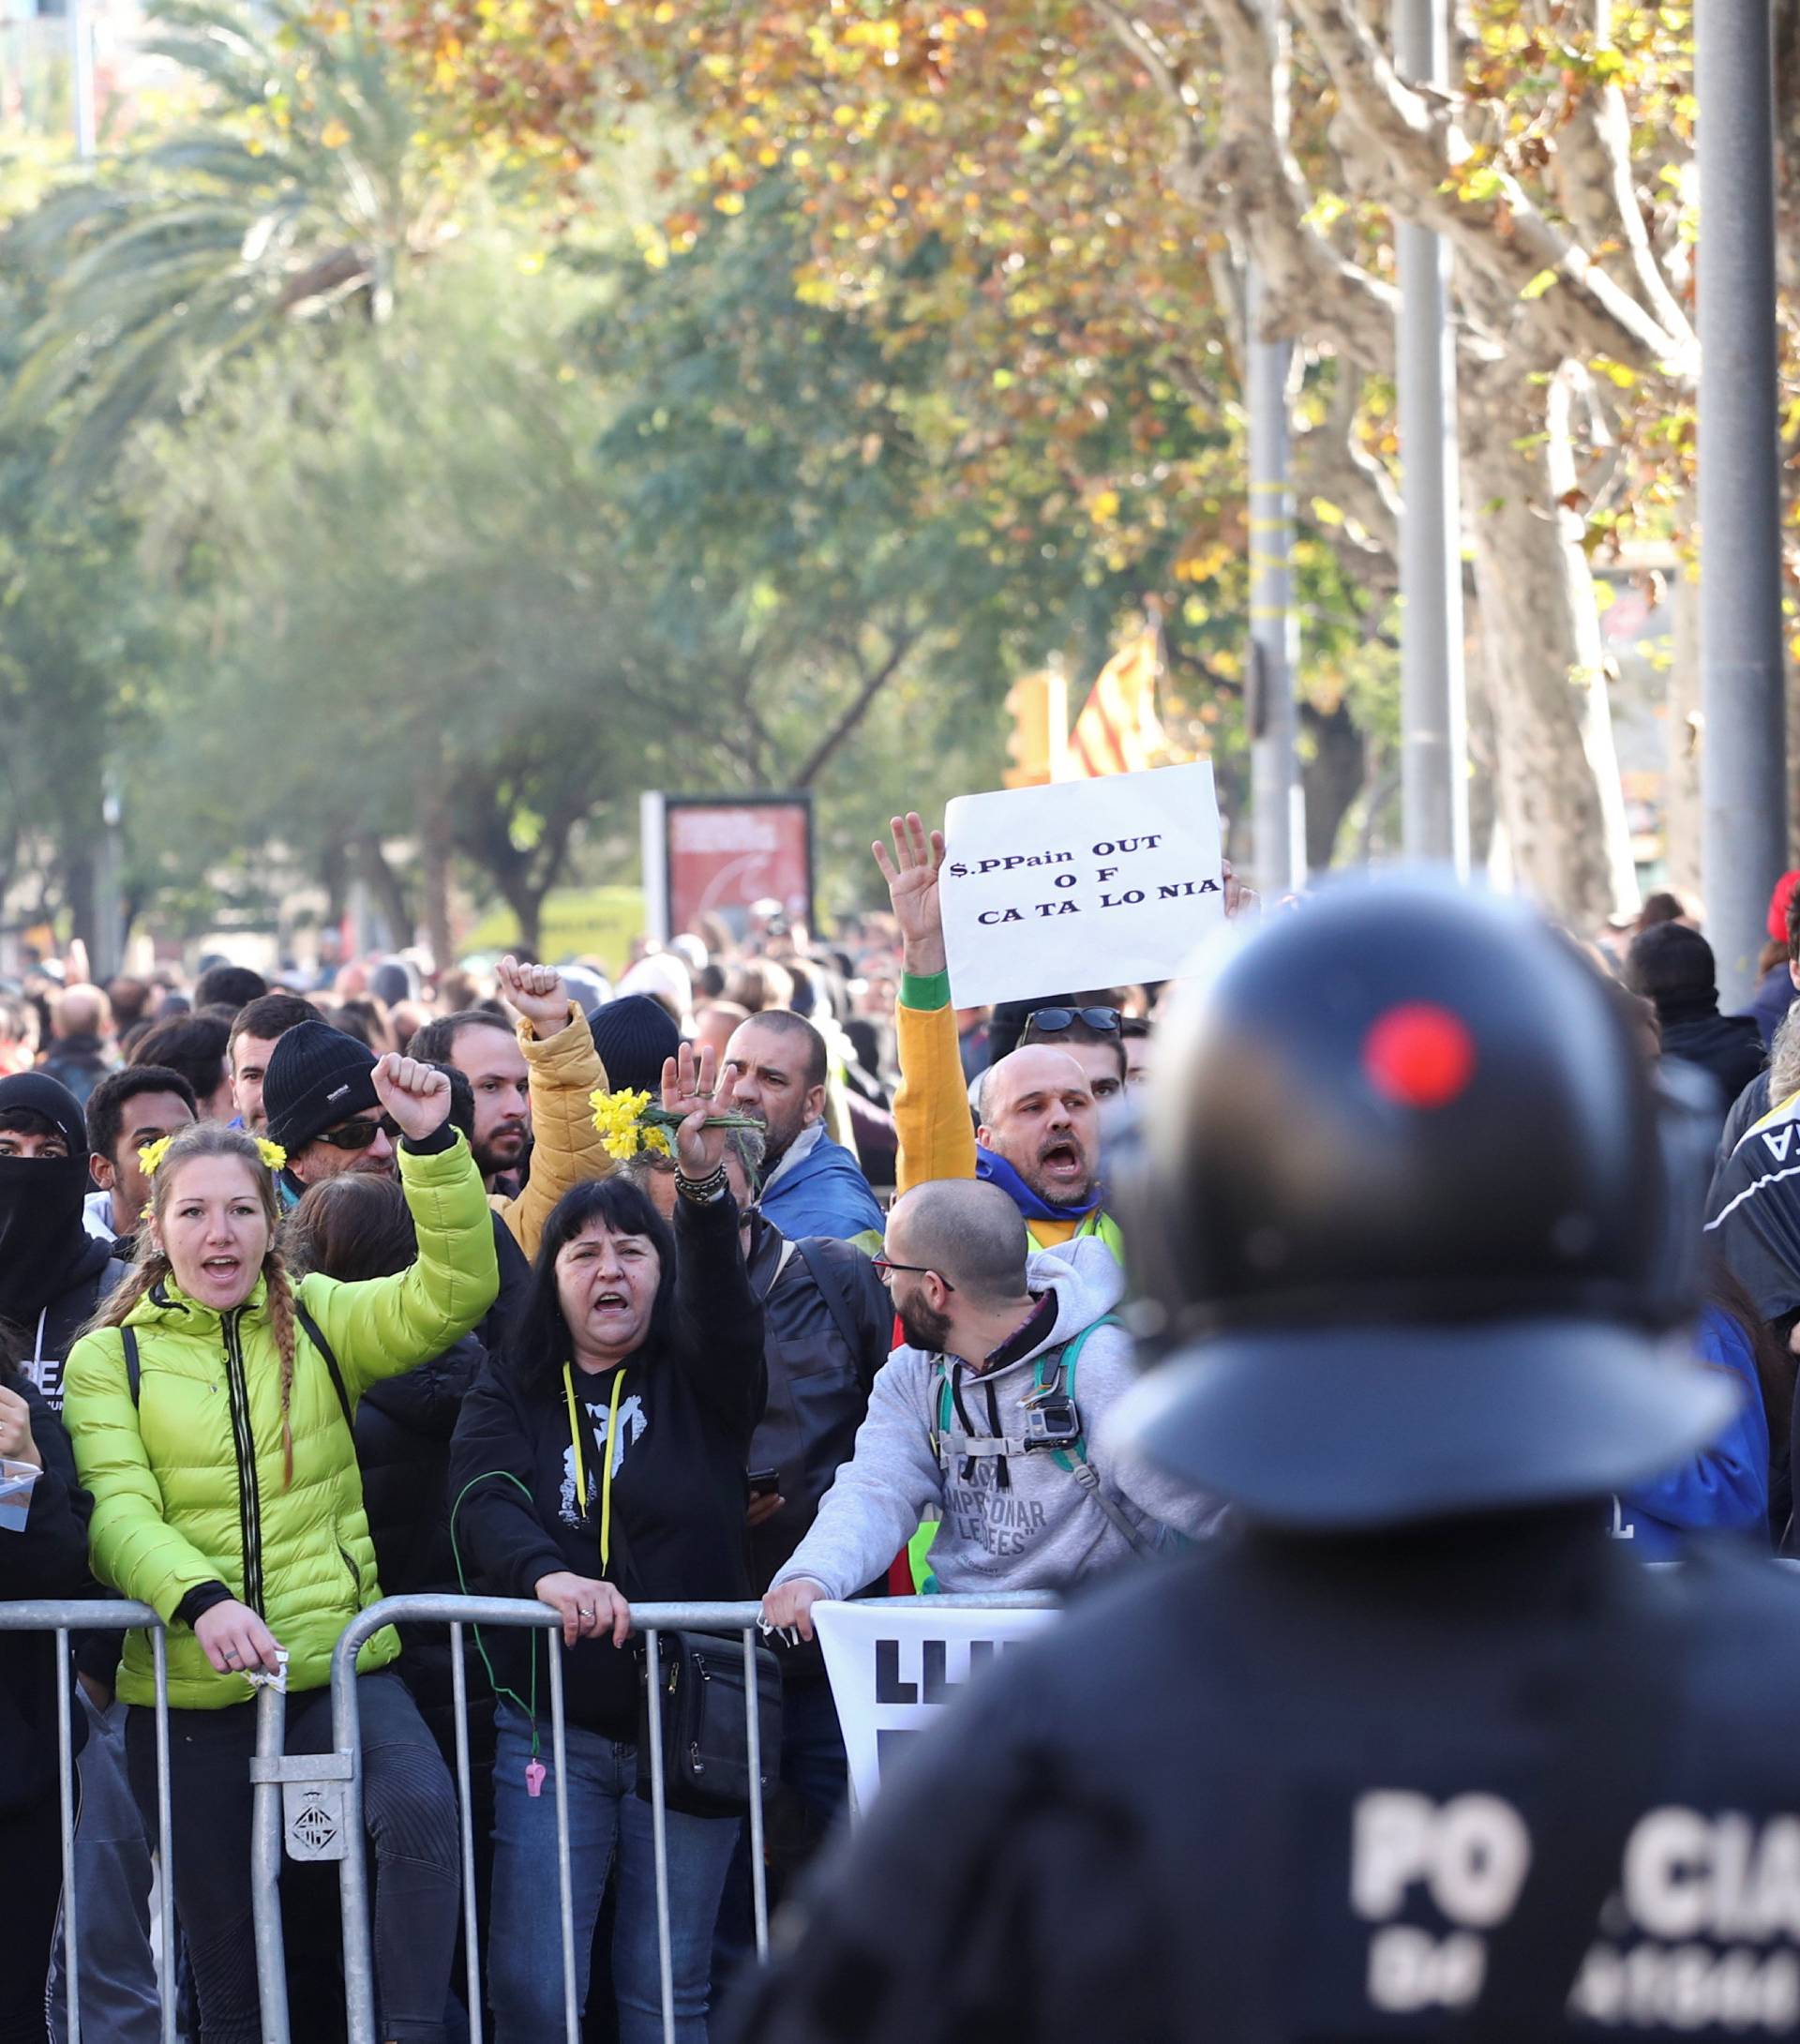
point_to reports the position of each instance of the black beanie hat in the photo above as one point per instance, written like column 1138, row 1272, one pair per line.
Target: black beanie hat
column 1673, row 967
column 317, row 1078
column 36, row 1092
column 634, row 1036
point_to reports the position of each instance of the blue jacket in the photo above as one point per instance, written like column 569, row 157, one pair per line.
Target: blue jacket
column 1723, row 1489
column 822, row 1192
column 1770, row 1002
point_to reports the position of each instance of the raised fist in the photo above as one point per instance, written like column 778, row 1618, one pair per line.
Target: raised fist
column 416, row 1095
column 536, row 991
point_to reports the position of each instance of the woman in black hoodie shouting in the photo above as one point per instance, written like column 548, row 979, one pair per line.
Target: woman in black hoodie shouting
column 603, row 1462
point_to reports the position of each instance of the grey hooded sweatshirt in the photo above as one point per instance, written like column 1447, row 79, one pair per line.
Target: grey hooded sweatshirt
column 1043, row 1530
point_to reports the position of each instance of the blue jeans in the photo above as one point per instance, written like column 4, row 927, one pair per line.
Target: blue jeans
column 410, row 1811
column 607, row 1824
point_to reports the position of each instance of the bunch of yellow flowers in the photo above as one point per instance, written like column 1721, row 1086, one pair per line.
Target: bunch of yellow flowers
column 624, row 1132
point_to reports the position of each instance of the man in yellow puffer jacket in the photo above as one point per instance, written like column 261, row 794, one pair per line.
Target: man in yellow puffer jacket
column 227, row 1497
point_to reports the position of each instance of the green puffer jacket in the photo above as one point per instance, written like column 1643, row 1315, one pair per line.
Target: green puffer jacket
column 187, row 1484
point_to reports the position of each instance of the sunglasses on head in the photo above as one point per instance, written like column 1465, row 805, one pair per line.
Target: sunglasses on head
column 359, row 1135
column 1050, row 1021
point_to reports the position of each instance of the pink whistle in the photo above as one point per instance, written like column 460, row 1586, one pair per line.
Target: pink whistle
column 533, row 1778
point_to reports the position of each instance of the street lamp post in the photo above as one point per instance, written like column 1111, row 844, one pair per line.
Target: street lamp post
column 1277, row 800
column 1277, row 815
column 1434, row 789
column 1743, row 826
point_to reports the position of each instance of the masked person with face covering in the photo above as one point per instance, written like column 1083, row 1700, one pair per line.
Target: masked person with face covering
column 605, row 1459
column 52, row 1273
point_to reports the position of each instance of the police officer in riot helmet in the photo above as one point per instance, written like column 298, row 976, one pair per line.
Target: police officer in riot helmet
column 1421, row 1752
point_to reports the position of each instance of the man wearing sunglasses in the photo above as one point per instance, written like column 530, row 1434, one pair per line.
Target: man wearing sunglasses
column 319, row 1095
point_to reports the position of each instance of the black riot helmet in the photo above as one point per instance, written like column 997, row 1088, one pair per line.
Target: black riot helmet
column 1421, row 1230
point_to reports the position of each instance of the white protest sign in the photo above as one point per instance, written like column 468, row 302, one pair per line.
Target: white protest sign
column 1104, row 882
column 17, row 1481
column 894, row 1667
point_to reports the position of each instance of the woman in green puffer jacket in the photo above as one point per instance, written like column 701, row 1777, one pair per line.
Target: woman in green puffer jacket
column 226, row 1496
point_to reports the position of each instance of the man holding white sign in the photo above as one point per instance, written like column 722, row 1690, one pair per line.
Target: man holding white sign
column 1039, row 1134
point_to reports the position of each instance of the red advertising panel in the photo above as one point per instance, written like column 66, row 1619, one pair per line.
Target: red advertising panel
column 723, row 854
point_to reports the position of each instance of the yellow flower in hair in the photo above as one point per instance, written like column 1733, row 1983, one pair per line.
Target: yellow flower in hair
column 271, row 1153
column 152, row 1154
column 621, row 1134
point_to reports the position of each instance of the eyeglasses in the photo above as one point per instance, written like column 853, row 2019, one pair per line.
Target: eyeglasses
column 885, row 1267
column 1052, row 1021
column 359, row 1135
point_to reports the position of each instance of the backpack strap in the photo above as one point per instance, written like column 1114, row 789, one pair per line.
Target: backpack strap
column 837, row 1304
column 945, row 1432
column 1065, row 1360
column 781, row 1264
column 1074, row 1457
column 324, row 1346
column 133, row 1370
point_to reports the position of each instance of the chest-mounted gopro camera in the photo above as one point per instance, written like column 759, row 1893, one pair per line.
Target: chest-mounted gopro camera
column 1051, row 1420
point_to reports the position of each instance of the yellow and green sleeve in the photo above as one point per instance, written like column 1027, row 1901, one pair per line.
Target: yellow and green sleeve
column 931, row 1107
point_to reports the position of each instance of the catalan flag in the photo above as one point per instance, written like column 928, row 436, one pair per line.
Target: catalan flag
column 1118, row 730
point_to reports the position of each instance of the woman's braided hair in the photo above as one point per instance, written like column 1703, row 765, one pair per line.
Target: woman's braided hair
column 151, row 1267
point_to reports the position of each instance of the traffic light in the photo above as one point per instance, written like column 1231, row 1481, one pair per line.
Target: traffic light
column 1039, row 707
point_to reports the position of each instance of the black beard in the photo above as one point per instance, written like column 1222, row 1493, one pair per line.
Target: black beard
column 925, row 1329
column 491, row 1167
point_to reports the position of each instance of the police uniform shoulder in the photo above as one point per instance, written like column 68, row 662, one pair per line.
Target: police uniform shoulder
column 1742, row 1595
column 1132, row 1634
column 1718, row 1576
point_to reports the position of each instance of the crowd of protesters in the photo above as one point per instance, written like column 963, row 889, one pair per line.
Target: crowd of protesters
column 764, row 1271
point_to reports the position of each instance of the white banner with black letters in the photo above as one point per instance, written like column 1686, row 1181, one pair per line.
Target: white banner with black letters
column 1112, row 880
column 894, row 1667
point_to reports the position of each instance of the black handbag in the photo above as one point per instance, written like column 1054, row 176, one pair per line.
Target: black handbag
column 706, row 1739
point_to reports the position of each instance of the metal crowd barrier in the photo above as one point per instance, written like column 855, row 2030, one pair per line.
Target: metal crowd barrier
column 328, row 1788
column 325, row 1793
column 62, row 1617
column 310, row 1806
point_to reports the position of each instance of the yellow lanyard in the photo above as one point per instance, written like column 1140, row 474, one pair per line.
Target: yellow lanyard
column 575, row 1432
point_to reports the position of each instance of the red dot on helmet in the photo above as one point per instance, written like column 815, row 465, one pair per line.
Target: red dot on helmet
column 1419, row 1055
